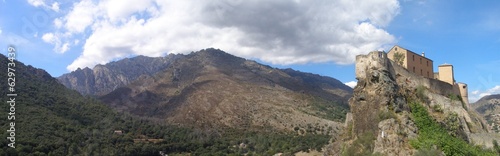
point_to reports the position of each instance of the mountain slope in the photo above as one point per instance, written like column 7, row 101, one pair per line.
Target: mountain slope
column 103, row 79
column 53, row 120
column 211, row 89
column 489, row 108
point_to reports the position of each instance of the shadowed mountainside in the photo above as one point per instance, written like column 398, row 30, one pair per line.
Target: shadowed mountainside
column 211, row 89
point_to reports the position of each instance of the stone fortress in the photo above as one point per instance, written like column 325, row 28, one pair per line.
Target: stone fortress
column 423, row 66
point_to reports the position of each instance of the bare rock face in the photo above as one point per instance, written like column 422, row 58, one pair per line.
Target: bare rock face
column 390, row 141
column 103, row 79
column 375, row 94
column 378, row 106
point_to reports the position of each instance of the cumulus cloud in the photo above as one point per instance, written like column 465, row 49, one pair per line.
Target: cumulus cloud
column 477, row 94
column 351, row 84
column 55, row 6
column 36, row 3
column 278, row 32
column 43, row 4
column 54, row 39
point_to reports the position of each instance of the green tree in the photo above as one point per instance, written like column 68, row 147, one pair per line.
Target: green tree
column 399, row 58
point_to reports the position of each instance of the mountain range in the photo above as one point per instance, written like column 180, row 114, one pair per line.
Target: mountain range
column 212, row 89
column 207, row 102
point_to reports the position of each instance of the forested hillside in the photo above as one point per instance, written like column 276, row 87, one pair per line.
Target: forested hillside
column 53, row 120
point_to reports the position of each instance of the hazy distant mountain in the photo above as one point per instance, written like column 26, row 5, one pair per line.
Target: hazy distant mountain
column 489, row 108
column 103, row 79
column 213, row 89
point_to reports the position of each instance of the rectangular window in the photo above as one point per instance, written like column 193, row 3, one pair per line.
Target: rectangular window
column 421, row 72
column 428, row 74
column 413, row 58
column 420, row 60
column 427, row 65
column 413, row 69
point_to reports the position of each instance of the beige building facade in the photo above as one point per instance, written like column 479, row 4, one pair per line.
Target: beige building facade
column 418, row 64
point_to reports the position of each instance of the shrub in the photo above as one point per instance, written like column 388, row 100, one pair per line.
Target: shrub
column 362, row 146
column 437, row 108
column 383, row 115
column 427, row 152
column 420, row 92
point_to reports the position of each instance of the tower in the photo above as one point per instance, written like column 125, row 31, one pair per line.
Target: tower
column 462, row 87
column 446, row 73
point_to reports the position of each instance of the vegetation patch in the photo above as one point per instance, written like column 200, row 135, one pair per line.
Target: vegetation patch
column 362, row 146
column 329, row 110
column 432, row 134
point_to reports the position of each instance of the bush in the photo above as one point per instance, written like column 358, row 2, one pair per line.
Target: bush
column 428, row 152
column 437, row 108
column 420, row 92
column 363, row 146
column 383, row 115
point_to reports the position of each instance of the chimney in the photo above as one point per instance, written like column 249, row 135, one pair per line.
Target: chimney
column 423, row 54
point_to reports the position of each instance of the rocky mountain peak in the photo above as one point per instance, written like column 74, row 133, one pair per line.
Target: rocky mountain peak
column 103, row 79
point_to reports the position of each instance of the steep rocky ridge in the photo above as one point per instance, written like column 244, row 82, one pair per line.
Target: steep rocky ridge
column 382, row 120
column 489, row 108
column 103, row 79
column 211, row 89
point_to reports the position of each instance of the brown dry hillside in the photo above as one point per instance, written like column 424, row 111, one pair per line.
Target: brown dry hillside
column 489, row 108
column 212, row 89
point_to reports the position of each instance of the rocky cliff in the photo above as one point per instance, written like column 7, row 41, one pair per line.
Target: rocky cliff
column 387, row 106
column 103, row 79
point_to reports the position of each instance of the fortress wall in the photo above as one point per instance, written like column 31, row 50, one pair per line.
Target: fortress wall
column 380, row 60
column 414, row 80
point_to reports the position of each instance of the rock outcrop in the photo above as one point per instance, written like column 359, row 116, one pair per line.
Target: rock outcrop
column 103, row 79
column 380, row 106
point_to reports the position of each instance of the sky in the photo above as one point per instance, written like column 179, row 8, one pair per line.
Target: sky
column 316, row 36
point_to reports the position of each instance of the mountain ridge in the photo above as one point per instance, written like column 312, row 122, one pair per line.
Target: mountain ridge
column 211, row 88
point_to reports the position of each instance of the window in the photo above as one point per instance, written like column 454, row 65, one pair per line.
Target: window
column 428, row 74
column 413, row 69
column 420, row 60
column 421, row 72
column 413, row 58
column 396, row 48
column 427, row 65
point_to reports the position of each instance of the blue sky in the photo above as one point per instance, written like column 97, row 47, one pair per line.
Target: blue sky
column 321, row 37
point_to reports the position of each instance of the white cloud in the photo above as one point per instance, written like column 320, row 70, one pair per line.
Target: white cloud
column 37, row 3
column 351, row 84
column 54, row 39
column 58, row 23
column 43, row 4
column 48, row 37
column 477, row 94
column 278, row 32
column 55, row 7
column 81, row 16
